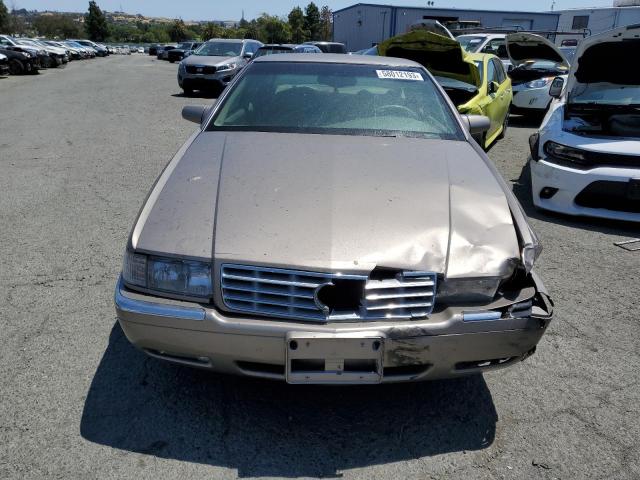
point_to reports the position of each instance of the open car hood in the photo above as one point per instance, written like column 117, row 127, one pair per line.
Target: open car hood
column 442, row 56
column 601, row 59
column 526, row 47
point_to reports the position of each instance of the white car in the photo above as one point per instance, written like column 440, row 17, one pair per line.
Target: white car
column 585, row 159
column 493, row 43
column 536, row 62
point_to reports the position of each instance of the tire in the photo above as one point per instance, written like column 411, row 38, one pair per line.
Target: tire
column 505, row 124
column 187, row 91
column 172, row 61
column 16, row 67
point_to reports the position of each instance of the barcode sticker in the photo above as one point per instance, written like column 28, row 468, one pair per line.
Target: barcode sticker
column 400, row 75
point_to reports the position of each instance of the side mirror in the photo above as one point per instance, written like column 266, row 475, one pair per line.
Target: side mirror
column 555, row 90
column 247, row 56
column 493, row 87
column 194, row 113
column 476, row 124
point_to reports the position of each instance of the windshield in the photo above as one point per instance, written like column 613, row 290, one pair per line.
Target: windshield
column 480, row 67
column 219, row 49
column 185, row 46
column 341, row 99
column 471, row 43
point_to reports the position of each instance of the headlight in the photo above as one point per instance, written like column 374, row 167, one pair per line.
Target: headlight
column 529, row 255
column 564, row 154
column 186, row 278
column 540, row 83
column 468, row 290
column 226, row 66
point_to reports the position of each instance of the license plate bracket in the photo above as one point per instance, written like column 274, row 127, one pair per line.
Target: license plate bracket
column 326, row 358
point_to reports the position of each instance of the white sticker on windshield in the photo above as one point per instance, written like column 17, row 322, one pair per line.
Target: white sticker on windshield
column 400, row 75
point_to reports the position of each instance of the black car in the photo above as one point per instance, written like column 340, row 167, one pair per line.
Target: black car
column 184, row 50
column 153, row 50
column 163, row 52
column 20, row 62
column 4, row 65
column 329, row 47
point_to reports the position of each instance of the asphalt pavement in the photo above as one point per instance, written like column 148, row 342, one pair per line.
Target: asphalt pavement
column 79, row 149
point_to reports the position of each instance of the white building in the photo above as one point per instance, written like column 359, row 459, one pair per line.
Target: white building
column 598, row 20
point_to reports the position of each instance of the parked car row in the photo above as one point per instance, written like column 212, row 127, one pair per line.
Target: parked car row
column 213, row 64
column 21, row 55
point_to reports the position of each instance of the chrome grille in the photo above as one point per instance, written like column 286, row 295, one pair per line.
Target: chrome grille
column 292, row 294
column 409, row 295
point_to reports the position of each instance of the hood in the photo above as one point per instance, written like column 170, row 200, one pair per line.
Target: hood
column 203, row 60
column 599, row 59
column 340, row 203
column 441, row 55
column 526, row 47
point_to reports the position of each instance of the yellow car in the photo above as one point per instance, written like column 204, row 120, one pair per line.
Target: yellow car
column 476, row 83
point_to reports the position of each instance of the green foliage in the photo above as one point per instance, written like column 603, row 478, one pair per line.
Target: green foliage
column 178, row 31
column 312, row 21
column 296, row 24
column 57, row 26
column 326, row 24
column 211, row 30
column 4, row 17
column 272, row 29
column 96, row 23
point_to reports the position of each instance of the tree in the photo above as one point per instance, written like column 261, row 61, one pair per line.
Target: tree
column 178, row 31
column 296, row 24
column 211, row 30
column 312, row 21
column 56, row 25
column 326, row 24
column 95, row 23
column 273, row 29
column 4, row 17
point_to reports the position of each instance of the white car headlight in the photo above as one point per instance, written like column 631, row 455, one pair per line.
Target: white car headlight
column 226, row 66
column 465, row 290
column 186, row 278
column 558, row 153
column 540, row 83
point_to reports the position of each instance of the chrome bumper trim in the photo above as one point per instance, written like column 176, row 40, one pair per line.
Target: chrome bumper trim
column 142, row 307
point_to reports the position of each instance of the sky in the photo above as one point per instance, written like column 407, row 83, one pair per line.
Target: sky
column 232, row 10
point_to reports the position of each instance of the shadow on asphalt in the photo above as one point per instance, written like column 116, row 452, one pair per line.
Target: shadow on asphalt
column 264, row 428
column 199, row 94
column 522, row 190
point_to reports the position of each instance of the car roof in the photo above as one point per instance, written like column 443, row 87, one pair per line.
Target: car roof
column 232, row 40
column 340, row 58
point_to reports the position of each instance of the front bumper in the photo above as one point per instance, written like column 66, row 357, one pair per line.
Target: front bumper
column 196, row 81
column 570, row 182
column 530, row 99
column 451, row 343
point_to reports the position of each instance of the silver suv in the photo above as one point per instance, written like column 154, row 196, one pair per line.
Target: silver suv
column 215, row 63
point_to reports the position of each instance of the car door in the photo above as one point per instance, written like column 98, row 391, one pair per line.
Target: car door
column 505, row 94
column 492, row 106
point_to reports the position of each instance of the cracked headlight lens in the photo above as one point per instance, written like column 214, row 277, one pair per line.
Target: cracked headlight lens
column 186, row 278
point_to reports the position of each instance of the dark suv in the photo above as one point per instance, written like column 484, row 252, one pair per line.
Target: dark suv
column 184, row 50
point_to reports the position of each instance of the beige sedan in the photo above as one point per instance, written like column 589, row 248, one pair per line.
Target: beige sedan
column 332, row 221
